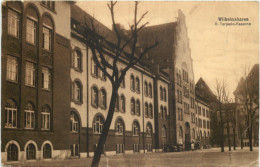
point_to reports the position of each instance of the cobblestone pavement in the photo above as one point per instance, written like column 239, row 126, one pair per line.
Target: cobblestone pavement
column 199, row 158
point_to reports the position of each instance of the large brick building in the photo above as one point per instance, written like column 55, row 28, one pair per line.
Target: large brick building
column 54, row 98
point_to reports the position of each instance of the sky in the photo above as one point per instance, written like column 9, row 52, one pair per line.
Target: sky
column 218, row 52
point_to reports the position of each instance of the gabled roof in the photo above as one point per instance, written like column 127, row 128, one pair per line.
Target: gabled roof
column 203, row 92
column 163, row 53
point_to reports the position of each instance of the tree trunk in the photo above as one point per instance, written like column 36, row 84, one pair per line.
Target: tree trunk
column 103, row 136
column 251, row 135
column 234, row 138
column 228, row 134
column 242, row 143
column 222, row 131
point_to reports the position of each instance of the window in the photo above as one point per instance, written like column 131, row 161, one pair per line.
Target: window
column 49, row 4
column 74, row 150
column 146, row 109
column 119, row 148
column 150, row 110
column 12, row 153
column 165, row 112
column 137, row 85
column 136, row 148
column 77, row 60
column 164, row 94
column 132, row 106
column 180, row 132
column 132, row 83
column 10, row 114
column 186, row 108
column 136, row 128
column 13, row 23
column 74, row 122
column 122, row 84
column 161, row 112
column 46, row 38
column 29, row 74
column 185, row 91
column 98, row 124
column 47, row 151
column 207, row 124
column 94, row 68
column 94, row 96
column 207, row 113
column 29, row 116
column 122, row 103
column 193, row 133
column 103, row 99
column 102, row 74
column 149, row 148
column 31, row 28
column 180, row 114
column 137, row 110
column 161, row 93
column 12, row 69
column 119, row 127
column 46, row 78
column 203, row 111
column 199, row 110
column 45, row 117
column 117, row 104
column 145, row 88
column 30, row 152
column 77, row 91
column 164, row 131
column 192, row 102
column 149, row 130
column 150, row 90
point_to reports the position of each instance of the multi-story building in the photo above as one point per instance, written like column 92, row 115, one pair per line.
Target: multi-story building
column 173, row 57
column 248, row 86
column 35, row 77
column 203, row 109
column 55, row 99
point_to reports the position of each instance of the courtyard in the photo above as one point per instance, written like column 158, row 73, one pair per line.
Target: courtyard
column 199, row 158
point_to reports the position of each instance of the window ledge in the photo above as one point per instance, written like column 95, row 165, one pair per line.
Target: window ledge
column 30, row 86
column 45, row 89
column 94, row 76
column 15, row 37
column 12, row 81
column 94, row 106
column 77, row 102
column 77, row 69
column 31, row 44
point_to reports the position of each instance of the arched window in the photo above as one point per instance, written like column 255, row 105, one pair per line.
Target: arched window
column 77, row 60
column 119, row 129
column 12, row 153
column 98, row 124
column 47, row 33
column 45, row 117
column 77, row 90
column 162, row 116
column 122, row 85
column 10, row 114
column 164, row 94
column 122, row 103
column 150, row 110
column 137, row 105
column 149, row 130
column 31, row 26
column 29, row 116
column 165, row 112
column 30, row 152
column 193, row 133
column 132, row 83
column 164, row 131
column 103, row 99
column 150, row 90
column 47, row 151
column 137, row 89
column 180, row 132
column 74, row 122
column 136, row 128
column 161, row 93
column 94, row 68
column 94, row 96
column 145, row 88
column 132, row 106
column 146, row 109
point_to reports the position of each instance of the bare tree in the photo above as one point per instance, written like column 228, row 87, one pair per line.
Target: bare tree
column 233, row 114
column 107, row 53
column 227, row 118
column 221, row 96
column 248, row 96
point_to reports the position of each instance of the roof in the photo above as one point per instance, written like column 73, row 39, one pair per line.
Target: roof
column 164, row 34
column 203, row 92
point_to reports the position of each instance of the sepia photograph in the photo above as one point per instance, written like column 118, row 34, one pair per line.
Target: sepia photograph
column 129, row 83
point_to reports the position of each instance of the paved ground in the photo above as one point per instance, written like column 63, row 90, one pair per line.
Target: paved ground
column 199, row 158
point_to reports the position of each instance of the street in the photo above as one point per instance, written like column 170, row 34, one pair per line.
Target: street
column 199, row 158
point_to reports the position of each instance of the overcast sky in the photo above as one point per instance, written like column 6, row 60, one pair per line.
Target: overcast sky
column 217, row 51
